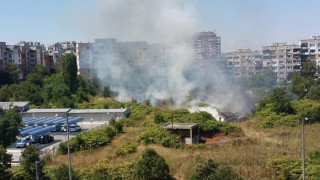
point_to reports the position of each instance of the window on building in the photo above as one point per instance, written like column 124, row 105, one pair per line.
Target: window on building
column 312, row 45
column 312, row 51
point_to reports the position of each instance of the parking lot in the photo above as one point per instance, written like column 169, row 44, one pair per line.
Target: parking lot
column 58, row 138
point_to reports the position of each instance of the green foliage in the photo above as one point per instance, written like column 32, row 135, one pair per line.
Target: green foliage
column 5, row 163
column 13, row 70
column 30, row 156
column 300, row 85
column 108, row 171
column 151, row 166
column 157, row 135
column 309, row 69
column 106, row 92
column 207, row 170
column 127, row 122
column 9, row 127
column 69, row 71
column 158, row 118
column 315, row 155
column 126, row 148
column 314, row 93
column 60, row 172
column 308, row 108
column 5, row 78
column 117, row 125
column 5, row 93
column 89, row 140
column 147, row 102
column 291, row 168
column 281, row 101
column 139, row 111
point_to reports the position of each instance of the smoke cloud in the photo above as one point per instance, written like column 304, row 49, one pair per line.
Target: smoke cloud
column 152, row 56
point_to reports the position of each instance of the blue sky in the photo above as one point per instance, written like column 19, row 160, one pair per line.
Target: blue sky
column 240, row 23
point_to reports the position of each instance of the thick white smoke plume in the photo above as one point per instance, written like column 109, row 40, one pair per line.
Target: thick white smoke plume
column 163, row 66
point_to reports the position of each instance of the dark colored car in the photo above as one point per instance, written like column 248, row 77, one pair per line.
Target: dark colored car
column 44, row 139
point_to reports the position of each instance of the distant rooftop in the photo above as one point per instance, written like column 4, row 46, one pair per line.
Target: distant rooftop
column 7, row 105
column 76, row 110
column 179, row 125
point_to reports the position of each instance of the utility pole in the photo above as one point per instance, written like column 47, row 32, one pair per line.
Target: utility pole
column 303, row 154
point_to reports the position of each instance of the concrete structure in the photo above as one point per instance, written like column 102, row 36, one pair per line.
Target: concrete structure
column 284, row 60
column 207, row 46
column 188, row 132
column 310, row 49
column 89, row 115
column 57, row 50
column 243, row 63
column 19, row 106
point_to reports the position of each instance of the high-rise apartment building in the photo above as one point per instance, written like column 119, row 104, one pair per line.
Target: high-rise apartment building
column 310, row 49
column 207, row 46
column 284, row 59
column 243, row 63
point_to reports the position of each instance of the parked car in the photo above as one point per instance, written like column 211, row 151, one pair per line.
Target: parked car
column 34, row 139
column 44, row 139
column 23, row 142
column 57, row 128
column 72, row 128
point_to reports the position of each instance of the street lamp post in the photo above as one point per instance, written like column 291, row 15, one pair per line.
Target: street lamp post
column 37, row 162
column 303, row 154
column 68, row 143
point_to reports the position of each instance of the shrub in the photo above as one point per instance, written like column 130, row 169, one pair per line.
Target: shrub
column 126, row 148
column 289, row 167
column 60, row 172
column 207, row 170
column 158, row 118
column 289, row 121
column 127, row 122
column 88, row 140
column 157, row 135
column 108, row 171
column 151, row 166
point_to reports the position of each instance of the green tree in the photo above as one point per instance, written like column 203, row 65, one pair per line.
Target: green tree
column 30, row 156
column 5, row 78
column 14, row 72
column 152, row 166
column 5, row 163
column 60, row 172
column 309, row 69
column 9, row 127
column 300, row 85
column 208, row 170
column 281, row 101
column 5, row 93
column 314, row 93
column 69, row 71
column 106, row 92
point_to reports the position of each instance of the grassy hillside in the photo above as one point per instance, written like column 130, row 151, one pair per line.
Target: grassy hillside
column 249, row 156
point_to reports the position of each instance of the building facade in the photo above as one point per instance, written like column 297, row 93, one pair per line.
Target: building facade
column 243, row 63
column 310, row 49
column 207, row 46
column 283, row 58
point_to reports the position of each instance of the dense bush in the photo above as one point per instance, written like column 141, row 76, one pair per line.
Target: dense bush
column 60, row 172
column 89, row 140
column 151, row 166
column 126, row 148
column 303, row 108
column 208, row 170
column 157, row 135
column 108, row 171
column 291, row 168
